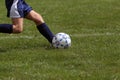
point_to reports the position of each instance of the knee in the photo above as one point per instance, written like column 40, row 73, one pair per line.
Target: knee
column 17, row 29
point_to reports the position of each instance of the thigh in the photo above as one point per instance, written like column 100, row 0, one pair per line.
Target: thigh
column 17, row 21
column 34, row 16
column 17, row 24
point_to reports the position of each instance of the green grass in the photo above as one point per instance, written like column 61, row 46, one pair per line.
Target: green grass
column 94, row 26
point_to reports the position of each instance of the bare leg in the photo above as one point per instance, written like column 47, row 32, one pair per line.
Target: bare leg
column 41, row 26
column 34, row 16
column 17, row 25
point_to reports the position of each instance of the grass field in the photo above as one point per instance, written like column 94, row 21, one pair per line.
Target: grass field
column 94, row 26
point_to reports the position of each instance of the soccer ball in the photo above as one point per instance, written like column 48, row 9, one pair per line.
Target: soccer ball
column 61, row 40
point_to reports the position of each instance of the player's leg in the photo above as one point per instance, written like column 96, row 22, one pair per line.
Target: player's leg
column 15, row 12
column 6, row 28
column 34, row 16
column 41, row 26
column 15, row 27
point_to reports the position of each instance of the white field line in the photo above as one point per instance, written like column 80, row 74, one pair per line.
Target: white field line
column 17, row 37
column 94, row 34
column 72, row 35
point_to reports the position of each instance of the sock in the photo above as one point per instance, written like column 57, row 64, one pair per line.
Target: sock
column 6, row 28
column 45, row 31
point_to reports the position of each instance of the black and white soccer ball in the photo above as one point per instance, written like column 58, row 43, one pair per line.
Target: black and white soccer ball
column 61, row 40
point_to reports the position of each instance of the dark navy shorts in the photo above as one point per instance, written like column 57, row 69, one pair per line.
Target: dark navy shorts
column 17, row 8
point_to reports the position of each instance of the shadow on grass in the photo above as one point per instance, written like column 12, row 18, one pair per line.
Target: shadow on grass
column 2, row 50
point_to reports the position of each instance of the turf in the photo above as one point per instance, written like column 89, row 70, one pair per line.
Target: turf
column 95, row 52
